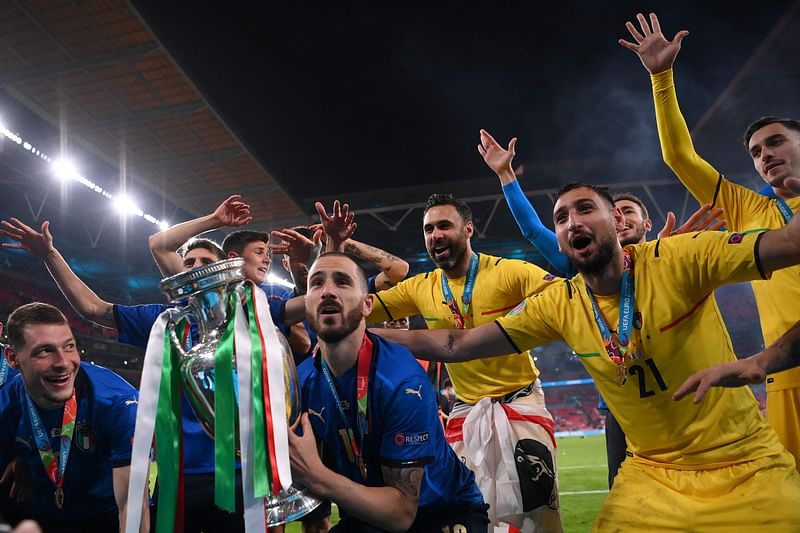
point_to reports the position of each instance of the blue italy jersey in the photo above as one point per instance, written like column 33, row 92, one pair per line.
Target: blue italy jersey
column 102, row 441
column 404, row 424
column 133, row 327
column 6, row 372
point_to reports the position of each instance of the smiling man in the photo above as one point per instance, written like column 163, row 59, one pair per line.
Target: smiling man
column 774, row 147
column 71, row 424
column 385, row 461
column 495, row 397
column 641, row 321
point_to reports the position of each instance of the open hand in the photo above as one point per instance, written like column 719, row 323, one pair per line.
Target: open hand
column 734, row 374
column 233, row 212
column 338, row 226
column 28, row 239
column 654, row 50
column 704, row 219
column 496, row 157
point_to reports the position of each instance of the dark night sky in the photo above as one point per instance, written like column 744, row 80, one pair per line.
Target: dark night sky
column 339, row 98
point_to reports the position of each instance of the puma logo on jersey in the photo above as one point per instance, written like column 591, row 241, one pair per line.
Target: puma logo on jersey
column 317, row 414
column 131, row 402
column 418, row 392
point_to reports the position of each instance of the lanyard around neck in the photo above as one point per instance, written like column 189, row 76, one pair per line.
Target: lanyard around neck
column 54, row 465
column 617, row 345
column 460, row 316
column 783, row 207
column 363, row 368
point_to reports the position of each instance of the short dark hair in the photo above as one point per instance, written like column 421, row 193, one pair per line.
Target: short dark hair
column 238, row 240
column 448, row 199
column 635, row 199
column 206, row 244
column 362, row 274
column 602, row 192
column 790, row 123
column 32, row 313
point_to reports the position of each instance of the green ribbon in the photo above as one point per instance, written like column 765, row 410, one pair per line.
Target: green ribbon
column 168, row 438
column 262, row 475
column 225, row 417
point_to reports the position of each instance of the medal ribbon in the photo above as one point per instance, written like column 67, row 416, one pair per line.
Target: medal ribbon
column 617, row 344
column 3, row 364
column 54, row 466
column 363, row 368
column 460, row 317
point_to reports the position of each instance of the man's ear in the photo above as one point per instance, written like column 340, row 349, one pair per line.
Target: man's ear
column 367, row 306
column 469, row 227
column 648, row 224
column 619, row 220
column 11, row 357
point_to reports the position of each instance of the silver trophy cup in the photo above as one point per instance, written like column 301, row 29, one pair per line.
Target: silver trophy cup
column 202, row 296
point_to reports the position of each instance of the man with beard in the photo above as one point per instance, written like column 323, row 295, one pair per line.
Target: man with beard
column 641, row 320
column 637, row 225
column 299, row 252
column 500, row 398
column 774, row 146
column 385, row 461
column 70, row 424
column 133, row 324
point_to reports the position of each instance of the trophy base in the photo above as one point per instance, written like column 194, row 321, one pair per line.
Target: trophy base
column 289, row 504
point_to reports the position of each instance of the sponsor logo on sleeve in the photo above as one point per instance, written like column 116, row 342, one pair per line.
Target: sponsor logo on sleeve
column 417, row 391
column 411, row 439
column 549, row 277
column 736, row 238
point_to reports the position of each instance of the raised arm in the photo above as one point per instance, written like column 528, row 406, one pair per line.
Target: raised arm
column 83, row 299
column 392, row 507
column 782, row 355
column 451, row 345
column 499, row 159
column 657, row 54
column 338, row 226
column 164, row 245
column 393, row 269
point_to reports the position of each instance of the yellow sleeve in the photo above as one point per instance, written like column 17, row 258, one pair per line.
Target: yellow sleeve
column 530, row 323
column 530, row 278
column 397, row 302
column 700, row 178
column 699, row 263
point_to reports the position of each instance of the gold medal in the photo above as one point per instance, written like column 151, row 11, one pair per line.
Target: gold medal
column 59, row 497
column 622, row 374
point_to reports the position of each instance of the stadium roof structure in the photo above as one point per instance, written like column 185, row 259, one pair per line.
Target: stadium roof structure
column 379, row 106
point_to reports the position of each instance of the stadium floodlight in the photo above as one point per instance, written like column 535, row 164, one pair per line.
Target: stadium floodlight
column 272, row 278
column 65, row 170
column 125, row 204
column 163, row 225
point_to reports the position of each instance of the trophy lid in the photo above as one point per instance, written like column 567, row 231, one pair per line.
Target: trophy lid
column 180, row 286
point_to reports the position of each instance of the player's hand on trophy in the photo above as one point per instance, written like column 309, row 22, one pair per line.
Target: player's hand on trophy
column 704, row 219
column 654, row 50
column 28, row 239
column 233, row 212
column 303, row 453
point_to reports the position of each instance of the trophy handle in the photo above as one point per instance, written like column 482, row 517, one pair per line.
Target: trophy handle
column 175, row 316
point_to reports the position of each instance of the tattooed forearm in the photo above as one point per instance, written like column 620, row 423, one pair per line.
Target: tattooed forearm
column 451, row 342
column 406, row 480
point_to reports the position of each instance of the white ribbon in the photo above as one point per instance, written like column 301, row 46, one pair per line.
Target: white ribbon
column 254, row 519
column 277, row 388
column 145, row 422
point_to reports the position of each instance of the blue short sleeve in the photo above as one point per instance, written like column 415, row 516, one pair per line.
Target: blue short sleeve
column 371, row 284
column 121, row 426
column 135, row 322
column 410, row 419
